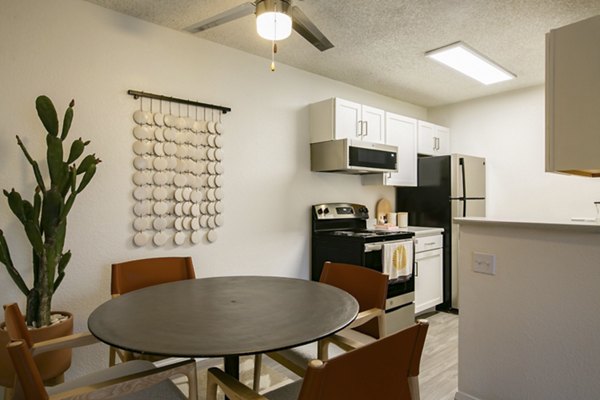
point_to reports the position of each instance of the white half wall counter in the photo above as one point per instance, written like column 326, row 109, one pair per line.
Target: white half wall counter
column 530, row 330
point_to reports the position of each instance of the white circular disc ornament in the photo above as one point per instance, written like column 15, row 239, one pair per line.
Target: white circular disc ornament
column 141, row 132
column 179, row 223
column 187, row 193
column 195, row 224
column 159, row 119
column 218, row 180
column 180, row 123
column 141, row 178
column 171, row 163
column 219, row 128
column 179, row 209
column 211, row 222
column 211, row 236
column 180, row 180
column 219, row 207
column 159, row 134
column 140, row 163
column 203, row 126
column 169, row 120
column 195, row 210
column 196, row 126
column 218, row 142
column 141, row 224
column 210, row 194
column 187, row 223
column 211, row 127
column 196, row 196
column 211, row 140
column 158, row 149
column 211, row 181
column 170, row 134
column 187, row 208
column 141, row 193
column 170, row 148
column 140, row 148
column 181, row 152
column 141, row 209
column 196, row 237
column 140, row 239
column 160, row 178
column 139, row 117
column 212, row 168
column 179, row 194
column 204, row 208
column 160, row 208
column 218, row 154
column 180, row 167
column 160, row 163
column 211, row 208
column 179, row 238
column 219, row 193
column 160, row 193
column 159, row 223
column 204, row 221
column 160, row 238
column 219, row 168
column 149, row 118
column 219, row 220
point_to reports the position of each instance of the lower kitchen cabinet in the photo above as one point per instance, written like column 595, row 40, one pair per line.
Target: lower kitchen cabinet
column 429, row 291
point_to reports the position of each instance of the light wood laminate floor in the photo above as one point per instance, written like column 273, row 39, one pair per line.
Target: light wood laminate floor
column 438, row 378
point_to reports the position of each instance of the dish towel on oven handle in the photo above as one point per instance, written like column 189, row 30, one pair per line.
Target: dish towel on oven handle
column 397, row 259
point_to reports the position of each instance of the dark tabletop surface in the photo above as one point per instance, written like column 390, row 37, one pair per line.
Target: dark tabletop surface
column 224, row 316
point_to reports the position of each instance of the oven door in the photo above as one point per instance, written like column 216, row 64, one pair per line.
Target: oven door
column 374, row 260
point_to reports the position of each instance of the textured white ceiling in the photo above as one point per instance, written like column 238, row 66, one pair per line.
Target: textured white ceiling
column 380, row 45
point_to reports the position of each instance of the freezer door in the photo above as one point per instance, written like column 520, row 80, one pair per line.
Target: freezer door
column 468, row 176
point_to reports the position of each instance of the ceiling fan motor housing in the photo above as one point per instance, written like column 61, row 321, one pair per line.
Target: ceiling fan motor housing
column 281, row 6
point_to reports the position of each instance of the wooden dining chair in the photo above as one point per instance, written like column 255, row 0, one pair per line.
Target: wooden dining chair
column 137, row 274
column 369, row 288
column 133, row 380
column 378, row 370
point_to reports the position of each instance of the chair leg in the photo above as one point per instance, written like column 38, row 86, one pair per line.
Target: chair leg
column 323, row 350
column 9, row 393
column 413, row 385
column 193, row 383
column 257, row 371
column 112, row 354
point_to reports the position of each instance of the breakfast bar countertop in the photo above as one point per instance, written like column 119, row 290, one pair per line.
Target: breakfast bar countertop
column 580, row 226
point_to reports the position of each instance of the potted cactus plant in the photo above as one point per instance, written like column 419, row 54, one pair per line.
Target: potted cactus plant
column 45, row 218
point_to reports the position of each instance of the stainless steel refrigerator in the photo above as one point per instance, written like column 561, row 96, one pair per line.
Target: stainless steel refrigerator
column 448, row 187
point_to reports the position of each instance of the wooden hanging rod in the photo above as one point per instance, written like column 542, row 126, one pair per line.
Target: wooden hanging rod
column 137, row 94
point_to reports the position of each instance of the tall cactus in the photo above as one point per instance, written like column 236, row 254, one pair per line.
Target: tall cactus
column 45, row 220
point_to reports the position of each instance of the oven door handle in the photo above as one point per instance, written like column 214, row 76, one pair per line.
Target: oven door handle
column 369, row 247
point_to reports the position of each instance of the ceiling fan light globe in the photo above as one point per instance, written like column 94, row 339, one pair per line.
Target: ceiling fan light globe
column 273, row 25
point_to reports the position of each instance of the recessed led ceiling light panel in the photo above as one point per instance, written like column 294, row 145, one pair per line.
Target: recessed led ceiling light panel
column 468, row 61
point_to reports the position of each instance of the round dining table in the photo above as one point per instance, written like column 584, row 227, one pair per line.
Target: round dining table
column 223, row 317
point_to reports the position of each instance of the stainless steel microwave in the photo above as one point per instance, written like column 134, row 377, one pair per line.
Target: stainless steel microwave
column 352, row 157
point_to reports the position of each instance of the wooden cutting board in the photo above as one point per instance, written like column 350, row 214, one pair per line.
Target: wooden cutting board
column 382, row 207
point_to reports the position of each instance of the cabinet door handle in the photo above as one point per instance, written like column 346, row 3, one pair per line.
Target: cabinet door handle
column 416, row 269
column 366, row 128
column 359, row 129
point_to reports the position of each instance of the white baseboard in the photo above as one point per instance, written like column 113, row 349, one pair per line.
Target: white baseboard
column 463, row 396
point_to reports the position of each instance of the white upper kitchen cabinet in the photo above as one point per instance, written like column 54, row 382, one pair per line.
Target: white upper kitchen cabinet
column 342, row 119
column 573, row 98
column 400, row 131
column 434, row 140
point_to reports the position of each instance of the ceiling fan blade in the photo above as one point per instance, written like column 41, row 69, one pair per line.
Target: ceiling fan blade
column 236, row 12
column 308, row 30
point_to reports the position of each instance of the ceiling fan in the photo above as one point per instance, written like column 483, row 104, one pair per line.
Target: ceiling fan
column 274, row 21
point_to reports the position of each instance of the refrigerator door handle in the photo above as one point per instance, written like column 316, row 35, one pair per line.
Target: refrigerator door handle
column 461, row 162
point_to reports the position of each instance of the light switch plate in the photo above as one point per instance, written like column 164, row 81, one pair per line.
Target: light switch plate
column 484, row 263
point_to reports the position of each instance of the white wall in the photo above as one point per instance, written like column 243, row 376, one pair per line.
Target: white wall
column 73, row 49
column 508, row 130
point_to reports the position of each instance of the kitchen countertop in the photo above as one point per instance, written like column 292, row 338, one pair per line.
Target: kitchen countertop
column 424, row 230
column 581, row 226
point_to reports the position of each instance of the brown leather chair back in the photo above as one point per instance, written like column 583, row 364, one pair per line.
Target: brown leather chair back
column 137, row 274
column 379, row 370
column 367, row 286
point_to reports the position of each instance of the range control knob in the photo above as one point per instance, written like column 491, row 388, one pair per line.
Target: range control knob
column 326, row 210
column 364, row 210
column 320, row 211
